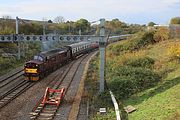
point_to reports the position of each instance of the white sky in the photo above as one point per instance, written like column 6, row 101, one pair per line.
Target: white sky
column 129, row 11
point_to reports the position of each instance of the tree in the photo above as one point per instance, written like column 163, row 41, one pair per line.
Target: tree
column 82, row 25
column 175, row 20
column 151, row 24
column 115, row 26
column 50, row 21
column 59, row 19
column 6, row 17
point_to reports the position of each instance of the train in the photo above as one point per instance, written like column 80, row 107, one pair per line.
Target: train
column 46, row 62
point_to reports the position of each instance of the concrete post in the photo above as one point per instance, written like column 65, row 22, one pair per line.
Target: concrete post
column 19, row 45
column 17, row 26
column 79, row 31
column 44, row 28
column 102, row 45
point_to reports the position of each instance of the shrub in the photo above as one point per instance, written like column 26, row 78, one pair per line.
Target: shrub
column 174, row 51
column 128, row 80
column 145, row 62
column 144, row 40
column 134, row 59
column 139, row 41
column 161, row 34
column 122, row 86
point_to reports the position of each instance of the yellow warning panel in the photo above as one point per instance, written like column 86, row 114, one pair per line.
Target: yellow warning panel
column 28, row 70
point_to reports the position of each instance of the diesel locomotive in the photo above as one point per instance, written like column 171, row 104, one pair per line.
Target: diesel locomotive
column 46, row 62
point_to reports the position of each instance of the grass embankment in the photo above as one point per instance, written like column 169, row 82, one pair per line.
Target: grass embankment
column 160, row 102
column 144, row 73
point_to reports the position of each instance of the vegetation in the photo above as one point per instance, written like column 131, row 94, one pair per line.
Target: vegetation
column 10, row 61
column 161, row 34
column 139, row 41
column 60, row 26
column 151, row 24
column 117, row 27
column 175, row 20
column 143, row 72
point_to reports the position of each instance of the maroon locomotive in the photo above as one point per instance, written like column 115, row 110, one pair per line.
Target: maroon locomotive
column 46, row 62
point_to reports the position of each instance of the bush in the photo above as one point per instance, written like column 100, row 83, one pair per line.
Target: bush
column 134, row 59
column 141, row 40
column 128, row 80
column 161, row 34
column 144, row 40
column 145, row 62
column 122, row 86
column 174, row 51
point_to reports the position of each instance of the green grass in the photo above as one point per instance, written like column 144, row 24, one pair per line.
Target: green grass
column 161, row 102
column 158, row 102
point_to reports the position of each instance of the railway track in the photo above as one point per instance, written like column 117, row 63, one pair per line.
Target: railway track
column 49, row 111
column 10, row 74
column 12, row 85
column 14, row 92
column 8, row 78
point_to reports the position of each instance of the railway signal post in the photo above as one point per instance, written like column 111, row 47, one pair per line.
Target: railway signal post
column 17, row 32
column 102, row 46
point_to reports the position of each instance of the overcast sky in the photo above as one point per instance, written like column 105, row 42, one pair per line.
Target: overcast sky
column 129, row 11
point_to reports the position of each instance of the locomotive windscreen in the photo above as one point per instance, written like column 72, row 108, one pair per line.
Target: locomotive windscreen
column 37, row 57
column 31, row 65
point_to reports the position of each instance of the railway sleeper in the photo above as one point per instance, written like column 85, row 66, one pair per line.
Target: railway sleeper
column 3, row 100
column 49, row 111
column 47, row 114
column 49, row 118
column 53, row 109
column 33, row 113
column 7, row 98
column 33, row 117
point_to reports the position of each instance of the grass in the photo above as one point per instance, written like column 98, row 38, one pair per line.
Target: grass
column 160, row 102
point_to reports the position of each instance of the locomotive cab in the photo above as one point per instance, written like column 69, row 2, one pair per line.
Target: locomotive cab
column 32, row 69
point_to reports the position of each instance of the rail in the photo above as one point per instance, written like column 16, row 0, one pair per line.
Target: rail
column 40, row 111
column 14, row 92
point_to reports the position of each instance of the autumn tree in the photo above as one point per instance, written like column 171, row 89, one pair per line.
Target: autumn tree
column 175, row 20
column 82, row 25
